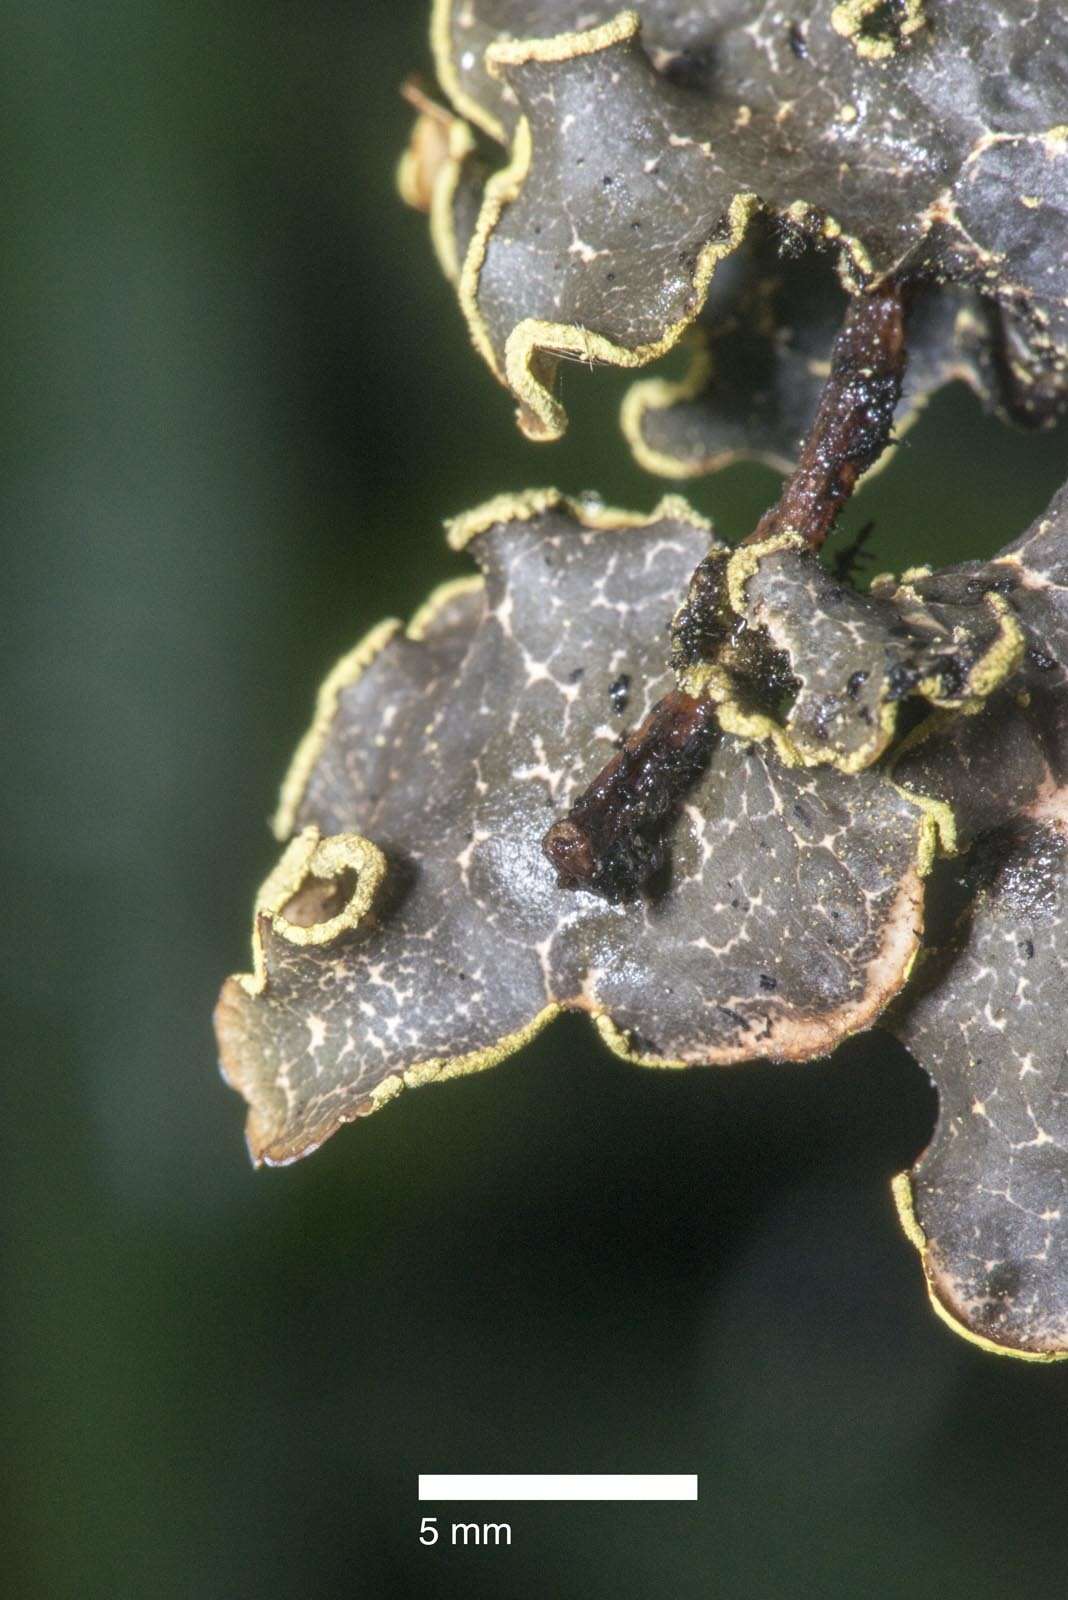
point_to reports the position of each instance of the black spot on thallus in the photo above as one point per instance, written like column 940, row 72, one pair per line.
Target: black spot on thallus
column 619, row 693
column 795, row 35
column 1003, row 1280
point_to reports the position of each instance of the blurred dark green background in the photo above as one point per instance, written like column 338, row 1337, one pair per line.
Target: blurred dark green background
column 238, row 402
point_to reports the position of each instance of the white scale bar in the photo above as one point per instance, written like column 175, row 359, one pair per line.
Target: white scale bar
column 558, row 1486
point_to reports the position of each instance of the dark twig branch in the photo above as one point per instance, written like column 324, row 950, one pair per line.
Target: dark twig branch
column 610, row 840
column 853, row 421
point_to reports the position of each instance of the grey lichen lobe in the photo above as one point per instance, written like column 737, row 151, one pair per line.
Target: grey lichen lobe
column 645, row 142
column 786, row 916
column 991, row 1192
column 797, row 656
column 414, row 929
column 987, row 1017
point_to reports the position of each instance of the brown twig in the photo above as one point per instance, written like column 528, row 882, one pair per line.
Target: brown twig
column 609, row 841
column 413, row 92
column 853, row 420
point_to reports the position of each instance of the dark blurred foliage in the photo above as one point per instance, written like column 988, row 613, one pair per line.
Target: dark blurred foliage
column 238, row 401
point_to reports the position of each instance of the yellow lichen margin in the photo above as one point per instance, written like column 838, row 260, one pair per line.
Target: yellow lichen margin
column 993, row 667
column 850, row 17
column 427, row 614
column 989, row 673
column 532, row 503
column 264, row 1134
column 438, row 1070
column 351, row 666
column 1005, row 654
column 790, row 746
column 856, row 268
column 904, row 1200
column 500, row 191
column 711, row 682
column 310, row 856
column 444, row 1067
column 944, row 833
column 747, row 559
column 533, row 348
column 409, row 174
column 449, row 77
column 563, row 46
column 660, row 394
column 443, row 195
column 617, row 1040
column 306, row 854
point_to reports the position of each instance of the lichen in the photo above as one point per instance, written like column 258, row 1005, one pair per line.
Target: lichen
column 635, row 169
column 718, row 799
